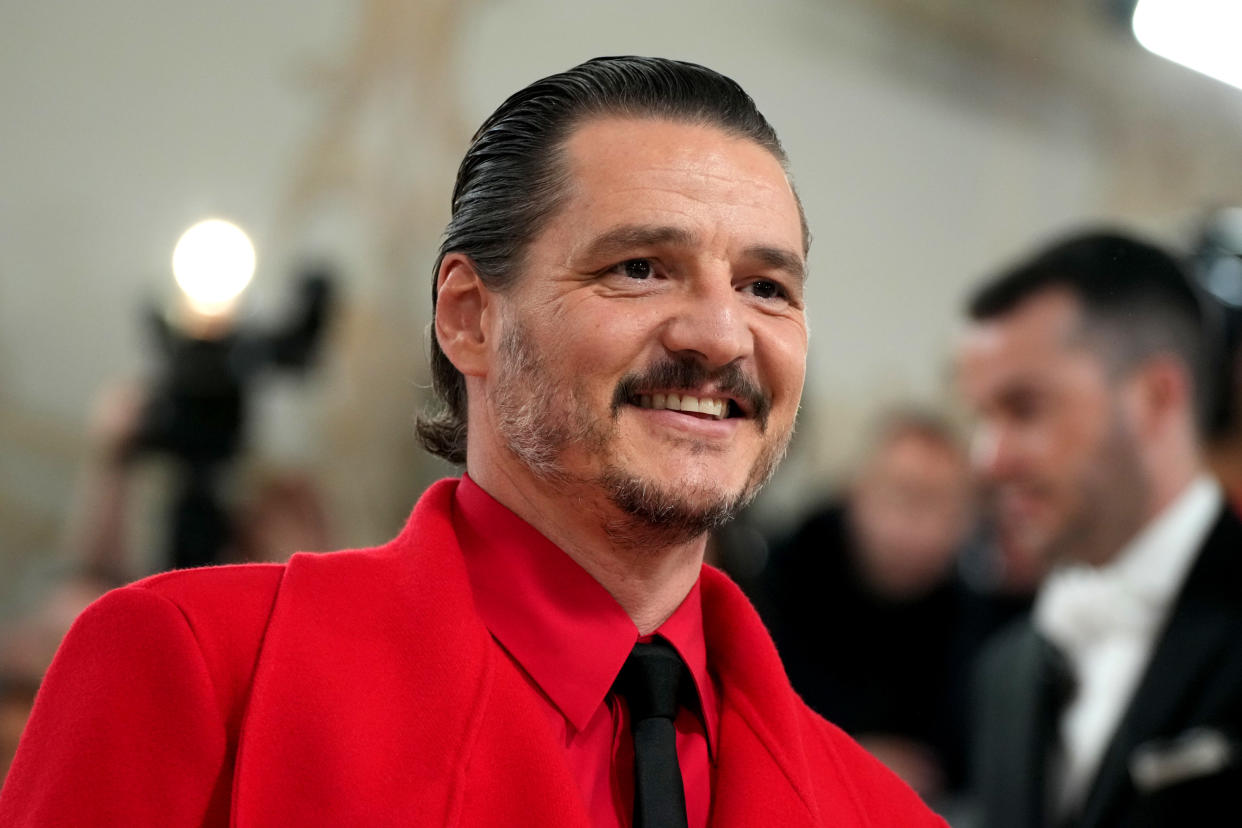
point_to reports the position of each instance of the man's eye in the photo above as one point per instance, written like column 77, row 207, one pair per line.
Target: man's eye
column 1023, row 408
column 767, row 289
column 636, row 268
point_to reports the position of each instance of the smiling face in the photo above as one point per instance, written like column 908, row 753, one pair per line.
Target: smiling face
column 654, row 346
column 910, row 512
column 1054, row 437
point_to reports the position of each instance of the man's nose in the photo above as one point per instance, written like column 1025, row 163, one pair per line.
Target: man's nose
column 992, row 453
column 710, row 324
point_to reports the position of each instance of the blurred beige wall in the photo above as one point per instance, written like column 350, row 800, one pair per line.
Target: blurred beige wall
column 930, row 141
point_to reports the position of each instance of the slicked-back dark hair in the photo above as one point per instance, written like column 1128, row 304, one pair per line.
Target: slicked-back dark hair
column 513, row 179
column 1136, row 299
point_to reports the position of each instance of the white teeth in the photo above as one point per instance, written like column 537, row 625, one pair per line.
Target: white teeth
column 684, row 402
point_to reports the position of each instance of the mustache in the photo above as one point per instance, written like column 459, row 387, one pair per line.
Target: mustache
column 687, row 373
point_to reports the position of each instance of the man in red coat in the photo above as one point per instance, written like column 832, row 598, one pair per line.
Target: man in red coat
column 620, row 346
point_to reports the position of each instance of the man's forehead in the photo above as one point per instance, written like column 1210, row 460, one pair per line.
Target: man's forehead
column 587, row 131
column 628, row 163
column 1048, row 321
column 609, row 143
column 1036, row 344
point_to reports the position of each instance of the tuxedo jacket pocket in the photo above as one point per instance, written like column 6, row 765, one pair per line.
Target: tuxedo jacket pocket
column 1191, row 779
column 1196, row 753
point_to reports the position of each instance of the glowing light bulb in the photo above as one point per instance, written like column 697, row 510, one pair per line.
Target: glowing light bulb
column 212, row 263
column 1199, row 34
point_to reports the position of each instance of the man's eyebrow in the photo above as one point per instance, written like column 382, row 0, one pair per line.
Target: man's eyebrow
column 779, row 259
column 621, row 240
column 627, row 237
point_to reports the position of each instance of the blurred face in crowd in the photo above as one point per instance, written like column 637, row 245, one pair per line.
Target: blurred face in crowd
column 910, row 511
column 655, row 345
column 1054, row 436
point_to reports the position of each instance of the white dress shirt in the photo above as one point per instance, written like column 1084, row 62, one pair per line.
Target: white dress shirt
column 1106, row 619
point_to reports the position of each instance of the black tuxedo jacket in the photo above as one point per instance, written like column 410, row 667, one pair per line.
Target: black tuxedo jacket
column 1176, row 757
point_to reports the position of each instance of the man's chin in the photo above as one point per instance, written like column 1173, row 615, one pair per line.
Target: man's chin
column 1042, row 544
column 657, row 513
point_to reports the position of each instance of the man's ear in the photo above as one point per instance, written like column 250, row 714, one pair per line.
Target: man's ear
column 464, row 307
column 1166, row 395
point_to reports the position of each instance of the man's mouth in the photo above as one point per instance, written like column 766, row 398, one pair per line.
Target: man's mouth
column 687, row 387
column 712, row 408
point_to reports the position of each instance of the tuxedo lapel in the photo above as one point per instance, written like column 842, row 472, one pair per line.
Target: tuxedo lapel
column 1203, row 623
column 1021, row 693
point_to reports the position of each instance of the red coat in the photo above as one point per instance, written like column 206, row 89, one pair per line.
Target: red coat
column 360, row 688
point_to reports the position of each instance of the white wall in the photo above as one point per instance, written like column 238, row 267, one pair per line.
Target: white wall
column 125, row 122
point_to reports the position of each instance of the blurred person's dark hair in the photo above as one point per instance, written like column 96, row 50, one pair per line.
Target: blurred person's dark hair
column 513, row 179
column 914, row 421
column 1137, row 302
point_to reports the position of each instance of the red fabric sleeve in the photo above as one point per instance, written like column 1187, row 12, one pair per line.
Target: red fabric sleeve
column 127, row 728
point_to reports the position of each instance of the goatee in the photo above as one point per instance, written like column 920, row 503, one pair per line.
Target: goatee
column 538, row 431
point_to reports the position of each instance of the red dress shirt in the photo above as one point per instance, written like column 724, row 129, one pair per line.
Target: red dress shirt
column 569, row 638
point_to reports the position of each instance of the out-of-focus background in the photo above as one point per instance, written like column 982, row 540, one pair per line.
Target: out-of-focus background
column 931, row 141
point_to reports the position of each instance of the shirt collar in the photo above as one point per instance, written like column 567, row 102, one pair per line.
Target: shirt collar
column 1155, row 563
column 564, row 629
column 1135, row 589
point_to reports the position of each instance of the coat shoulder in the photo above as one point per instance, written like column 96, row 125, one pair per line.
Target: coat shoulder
column 136, row 717
column 247, row 588
column 227, row 609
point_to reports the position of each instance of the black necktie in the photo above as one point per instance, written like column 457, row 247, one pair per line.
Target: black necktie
column 651, row 682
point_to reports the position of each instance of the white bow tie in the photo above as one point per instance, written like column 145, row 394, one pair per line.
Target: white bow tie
column 1080, row 606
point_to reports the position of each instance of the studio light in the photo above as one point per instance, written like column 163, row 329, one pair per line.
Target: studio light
column 1199, row 34
column 208, row 361
column 212, row 263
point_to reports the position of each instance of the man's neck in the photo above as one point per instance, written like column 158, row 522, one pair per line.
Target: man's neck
column 1166, row 490
column 649, row 583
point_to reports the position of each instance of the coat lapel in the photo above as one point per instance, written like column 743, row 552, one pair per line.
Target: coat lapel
column 1202, row 624
column 747, row 765
column 371, row 701
column 381, row 699
column 756, row 704
column 517, row 772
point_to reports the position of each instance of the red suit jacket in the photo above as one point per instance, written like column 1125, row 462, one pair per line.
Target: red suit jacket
column 360, row 688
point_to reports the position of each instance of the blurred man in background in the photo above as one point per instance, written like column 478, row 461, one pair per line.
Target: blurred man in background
column 1120, row 703
column 865, row 609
